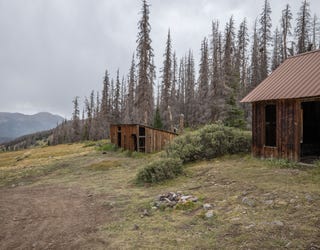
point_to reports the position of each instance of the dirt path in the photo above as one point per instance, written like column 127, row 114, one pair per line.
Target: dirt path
column 51, row 217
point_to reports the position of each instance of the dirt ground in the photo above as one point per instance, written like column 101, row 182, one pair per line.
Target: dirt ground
column 51, row 217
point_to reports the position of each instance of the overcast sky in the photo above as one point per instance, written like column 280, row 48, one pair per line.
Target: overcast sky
column 53, row 50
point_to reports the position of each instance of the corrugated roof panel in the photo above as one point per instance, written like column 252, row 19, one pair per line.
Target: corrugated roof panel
column 297, row 77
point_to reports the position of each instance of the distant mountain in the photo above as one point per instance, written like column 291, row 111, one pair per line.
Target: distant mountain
column 13, row 125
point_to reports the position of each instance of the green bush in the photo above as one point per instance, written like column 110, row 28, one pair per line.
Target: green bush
column 160, row 170
column 209, row 142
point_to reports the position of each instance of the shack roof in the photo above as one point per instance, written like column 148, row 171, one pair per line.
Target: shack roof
column 296, row 77
column 141, row 125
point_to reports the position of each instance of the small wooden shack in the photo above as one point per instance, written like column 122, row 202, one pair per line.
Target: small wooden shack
column 286, row 110
column 141, row 138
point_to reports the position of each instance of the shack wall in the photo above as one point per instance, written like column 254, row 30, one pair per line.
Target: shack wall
column 130, row 139
column 156, row 140
column 288, row 130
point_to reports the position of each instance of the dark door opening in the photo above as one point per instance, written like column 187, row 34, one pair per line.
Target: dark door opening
column 119, row 139
column 142, row 139
column 135, row 142
column 270, row 126
column 310, row 138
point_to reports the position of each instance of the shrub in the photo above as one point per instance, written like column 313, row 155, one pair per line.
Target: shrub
column 209, row 142
column 160, row 170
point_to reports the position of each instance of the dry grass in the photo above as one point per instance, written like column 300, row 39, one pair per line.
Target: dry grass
column 285, row 213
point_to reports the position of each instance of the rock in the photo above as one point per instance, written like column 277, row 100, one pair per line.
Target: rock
column 309, row 198
column 104, row 152
column 268, row 202
column 207, row 206
column 145, row 212
column 194, row 199
column 209, row 214
column 250, row 226
column 249, row 202
column 278, row 223
column 90, row 195
column 135, row 227
column 288, row 244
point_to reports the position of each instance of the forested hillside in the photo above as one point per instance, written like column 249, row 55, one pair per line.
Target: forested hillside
column 233, row 61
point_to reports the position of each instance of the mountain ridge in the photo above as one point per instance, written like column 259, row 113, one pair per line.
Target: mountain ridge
column 14, row 125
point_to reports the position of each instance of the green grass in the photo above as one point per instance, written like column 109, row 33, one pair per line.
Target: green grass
column 279, row 193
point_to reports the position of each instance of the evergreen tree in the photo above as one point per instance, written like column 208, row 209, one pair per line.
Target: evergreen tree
column 265, row 39
column 117, row 100
column 276, row 59
column 255, row 78
column 157, row 122
column 190, row 105
column 315, row 32
column 204, row 112
column 302, row 29
column 146, row 72
column 286, row 18
column 75, row 120
column 166, row 85
column 129, row 115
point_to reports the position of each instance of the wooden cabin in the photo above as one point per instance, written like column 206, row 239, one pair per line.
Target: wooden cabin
column 141, row 138
column 286, row 110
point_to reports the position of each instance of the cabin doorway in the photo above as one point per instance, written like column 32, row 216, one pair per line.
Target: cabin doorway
column 142, row 139
column 310, row 131
column 119, row 137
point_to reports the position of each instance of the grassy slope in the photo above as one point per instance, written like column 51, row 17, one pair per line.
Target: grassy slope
column 285, row 212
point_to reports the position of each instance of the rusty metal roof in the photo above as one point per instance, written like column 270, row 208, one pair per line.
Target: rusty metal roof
column 296, row 77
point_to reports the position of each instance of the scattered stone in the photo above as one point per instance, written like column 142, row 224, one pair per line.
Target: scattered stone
column 171, row 199
column 207, row 206
column 145, row 212
column 90, row 195
column 249, row 202
column 278, row 223
column 13, row 185
column 288, row 244
column 309, row 198
column 104, row 152
column 209, row 214
column 268, row 202
column 250, row 226
column 282, row 203
column 135, row 227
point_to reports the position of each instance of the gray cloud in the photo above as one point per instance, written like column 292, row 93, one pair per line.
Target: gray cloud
column 51, row 51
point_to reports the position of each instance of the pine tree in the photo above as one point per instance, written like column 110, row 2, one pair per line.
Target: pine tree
column 265, row 39
column 75, row 120
column 204, row 112
column 286, row 29
column 157, row 121
column 173, row 101
column 117, row 100
column 129, row 115
column 146, row 72
column 315, row 32
column 255, row 78
column 302, row 29
column 190, row 105
column 181, row 86
column 105, row 106
column 276, row 60
column 241, row 55
column 166, row 85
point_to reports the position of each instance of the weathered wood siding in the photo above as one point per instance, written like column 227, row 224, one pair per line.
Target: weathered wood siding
column 154, row 139
column 287, row 134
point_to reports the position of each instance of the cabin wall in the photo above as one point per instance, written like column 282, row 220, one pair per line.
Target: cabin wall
column 127, row 136
column 288, row 130
column 154, row 140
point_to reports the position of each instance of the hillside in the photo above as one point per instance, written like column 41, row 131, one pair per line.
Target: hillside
column 87, row 199
column 13, row 125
